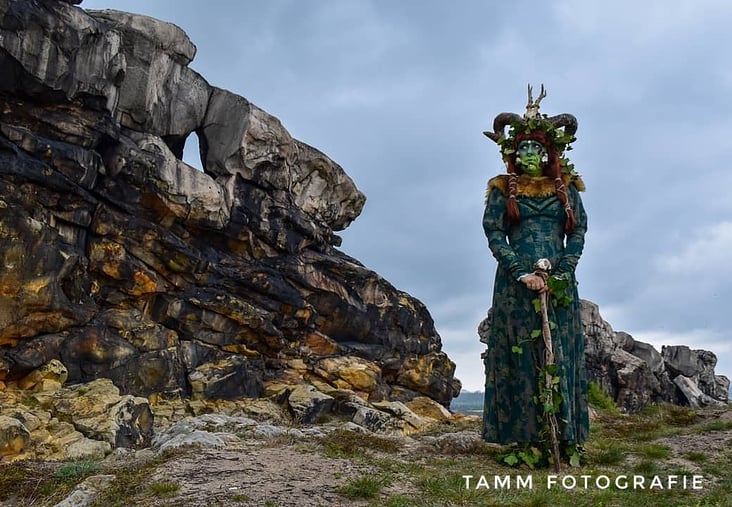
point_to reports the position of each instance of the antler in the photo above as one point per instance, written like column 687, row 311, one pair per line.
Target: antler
column 541, row 95
column 532, row 108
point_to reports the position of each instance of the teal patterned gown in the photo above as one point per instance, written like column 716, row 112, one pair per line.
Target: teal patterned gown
column 510, row 413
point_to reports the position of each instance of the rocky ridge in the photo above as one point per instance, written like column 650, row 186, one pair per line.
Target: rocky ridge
column 121, row 261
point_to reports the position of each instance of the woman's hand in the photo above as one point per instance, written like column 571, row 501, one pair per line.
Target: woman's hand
column 535, row 282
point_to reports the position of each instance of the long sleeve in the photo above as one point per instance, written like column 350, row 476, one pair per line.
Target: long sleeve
column 575, row 242
column 495, row 225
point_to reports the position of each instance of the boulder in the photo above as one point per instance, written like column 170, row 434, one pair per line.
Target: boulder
column 635, row 384
column 242, row 139
column 694, row 396
column 372, row 419
column 86, row 492
column 699, row 366
column 98, row 411
column 429, row 373
column 350, row 372
column 427, row 408
column 230, row 378
column 681, row 360
column 307, row 405
column 49, row 377
column 14, row 437
column 649, row 355
column 405, row 421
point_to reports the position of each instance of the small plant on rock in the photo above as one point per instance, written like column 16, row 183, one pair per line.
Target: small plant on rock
column 77, row 470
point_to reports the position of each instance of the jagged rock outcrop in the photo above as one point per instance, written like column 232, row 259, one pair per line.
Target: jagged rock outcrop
column 635, row 374
column 123, row 262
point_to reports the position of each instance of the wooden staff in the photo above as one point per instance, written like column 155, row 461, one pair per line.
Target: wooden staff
column 541, row 268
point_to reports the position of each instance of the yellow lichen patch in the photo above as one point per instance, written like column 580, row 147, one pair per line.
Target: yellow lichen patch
column 406, row 302
column 318, row 343
column 358, row 373
column 241, row 349
column 143, row 284
column 36, row 285
column 181, row 263
column 417, row 371
column 109, row 255
column 9, row 287
column 304, row 313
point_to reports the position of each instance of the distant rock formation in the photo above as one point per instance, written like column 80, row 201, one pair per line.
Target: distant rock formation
column 123, row 262
column 636, row 374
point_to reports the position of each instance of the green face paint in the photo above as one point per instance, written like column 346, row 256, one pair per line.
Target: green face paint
column 531, row 156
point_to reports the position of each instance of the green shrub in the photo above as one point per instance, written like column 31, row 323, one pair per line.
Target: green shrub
column 363, row 487
column 76, row 470
column 599, row 399
column 163, row 488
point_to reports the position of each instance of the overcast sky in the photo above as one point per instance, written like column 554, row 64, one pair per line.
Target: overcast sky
column 399, row 92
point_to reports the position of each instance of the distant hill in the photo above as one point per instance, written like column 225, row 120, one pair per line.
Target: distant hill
column 468, row 402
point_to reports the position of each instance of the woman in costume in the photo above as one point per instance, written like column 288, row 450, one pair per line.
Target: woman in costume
column 534, row 212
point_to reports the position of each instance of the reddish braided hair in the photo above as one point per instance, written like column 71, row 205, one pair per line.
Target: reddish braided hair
column 552, row 169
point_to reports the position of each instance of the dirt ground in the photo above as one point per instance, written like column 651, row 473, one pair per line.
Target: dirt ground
column 244, row 476
column 288, row 475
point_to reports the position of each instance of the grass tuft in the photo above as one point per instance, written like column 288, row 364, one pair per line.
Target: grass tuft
column 163, row 488
column 600, row 399
column 364, row 487
column 716, row 426
column 646, row 467
column 653, row 451
column 347, row 444
column 76, row 471
column 696, row 456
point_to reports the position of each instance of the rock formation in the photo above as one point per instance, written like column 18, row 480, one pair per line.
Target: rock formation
column 123, row 262
column 635, row 374
column 43, row 419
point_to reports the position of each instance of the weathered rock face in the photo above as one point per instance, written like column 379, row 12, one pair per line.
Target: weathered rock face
column 122, row 261
column 636, row 374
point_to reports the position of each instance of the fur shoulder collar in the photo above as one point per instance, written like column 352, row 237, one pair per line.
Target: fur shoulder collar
column 533, row 187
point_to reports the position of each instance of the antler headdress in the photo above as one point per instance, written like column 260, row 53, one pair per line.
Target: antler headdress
column 564, row 120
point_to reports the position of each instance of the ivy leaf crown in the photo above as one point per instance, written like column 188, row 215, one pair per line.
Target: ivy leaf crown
column 561, row 140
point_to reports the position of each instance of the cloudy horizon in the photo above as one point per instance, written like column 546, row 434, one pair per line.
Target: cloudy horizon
column 398, row 94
